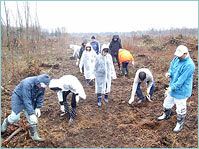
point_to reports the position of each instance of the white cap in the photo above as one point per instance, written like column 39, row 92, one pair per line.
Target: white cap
column 180, row 50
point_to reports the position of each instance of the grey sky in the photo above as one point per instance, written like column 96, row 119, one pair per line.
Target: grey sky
column 111, row 16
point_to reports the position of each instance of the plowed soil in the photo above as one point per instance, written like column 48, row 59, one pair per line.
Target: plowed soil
column 116, row 124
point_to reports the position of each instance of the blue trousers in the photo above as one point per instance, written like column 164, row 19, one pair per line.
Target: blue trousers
column 139, row 92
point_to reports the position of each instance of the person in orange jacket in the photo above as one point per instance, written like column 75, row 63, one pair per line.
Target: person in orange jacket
column 125, row 57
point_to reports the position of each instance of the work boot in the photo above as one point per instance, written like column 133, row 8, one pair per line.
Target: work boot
column 179, row 125
column 99, row 101
column 34, row 133
column 72, row 115
column 66, row 110
column 106, row 98
column 5, row 125
column 165, row 115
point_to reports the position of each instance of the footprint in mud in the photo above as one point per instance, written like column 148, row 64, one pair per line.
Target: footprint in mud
column 151, row 125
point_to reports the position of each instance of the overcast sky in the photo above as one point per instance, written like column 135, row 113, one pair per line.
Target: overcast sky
column 111, row 16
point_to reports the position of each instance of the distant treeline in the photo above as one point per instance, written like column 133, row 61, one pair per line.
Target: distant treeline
column 152, row 32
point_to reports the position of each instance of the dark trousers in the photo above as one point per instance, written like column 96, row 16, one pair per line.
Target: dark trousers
column 73, row 101
column 139, row 92
column 125, row 68
column 118, row 62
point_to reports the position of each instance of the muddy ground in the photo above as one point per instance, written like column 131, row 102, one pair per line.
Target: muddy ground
column 116, row 124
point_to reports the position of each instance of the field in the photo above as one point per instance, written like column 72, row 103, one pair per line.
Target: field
column 116, row 124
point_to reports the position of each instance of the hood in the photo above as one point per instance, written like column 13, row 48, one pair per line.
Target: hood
column 44, row 78
column 115, row 36
column 89, row 45
column 55, row 83
column 84, row 41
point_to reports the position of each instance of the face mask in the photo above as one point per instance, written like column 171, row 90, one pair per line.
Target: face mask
column 43, row 85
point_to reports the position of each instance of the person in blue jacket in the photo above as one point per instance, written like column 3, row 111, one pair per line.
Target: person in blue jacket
column 95, row 44
column 181, row 73
column 28, row 96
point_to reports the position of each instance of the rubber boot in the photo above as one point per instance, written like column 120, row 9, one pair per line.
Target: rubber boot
column 87, row 82
column 99, row 101
column 179, row 125
column 165, row 115
column 106, row 98
column 5, row 125
column 123, row 71
column 34, row 133
column 66, row 110
column 72, row 115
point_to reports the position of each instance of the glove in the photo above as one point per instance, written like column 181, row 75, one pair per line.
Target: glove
column 168, row 89
column 131, row 100
column 133, row 62
column 77, row 63
column 62, row 108
column 80, row 70
column 77, row 98
column 33, row 118
column 37, row 112
column 148, row 91
column 167, row 75
column 114, row 77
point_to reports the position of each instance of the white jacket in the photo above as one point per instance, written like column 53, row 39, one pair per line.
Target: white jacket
column 88, row 61
column 66, row 83
column 149, row 80
column 104, row 72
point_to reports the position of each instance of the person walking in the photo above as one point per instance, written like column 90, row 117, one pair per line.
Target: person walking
column 114, row 47
column 95, row 44
column 104, row 72
column 88, row 62
column 181, row 73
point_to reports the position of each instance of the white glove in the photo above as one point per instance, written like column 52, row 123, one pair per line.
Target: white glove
column 80, row 70
column 148, row 90
column 33, row 118
column 167, row 75
column 131, row 100
column 133, row 63
column 167, row 91
column 114, row 77
column 37, row 112
column 77, row 62
column 77, row 98
column 62, row 108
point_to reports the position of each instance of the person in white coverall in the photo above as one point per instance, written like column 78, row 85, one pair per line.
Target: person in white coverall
column 65, row 85
column 141, row 75
column 104, row 71
column 88, row 62
column 181, row 73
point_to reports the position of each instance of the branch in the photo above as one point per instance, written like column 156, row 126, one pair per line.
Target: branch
column 12, row 135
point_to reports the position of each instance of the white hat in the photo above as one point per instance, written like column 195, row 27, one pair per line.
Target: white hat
column 180, row 50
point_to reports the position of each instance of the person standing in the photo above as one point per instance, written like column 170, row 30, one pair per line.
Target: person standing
column 114, row 47
column 95, row 44
column 28, row 96
column 88, row 62
column 125, row 57
column 141, row 75
column 181, row 73
column 64, row 86
column 104, row 72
